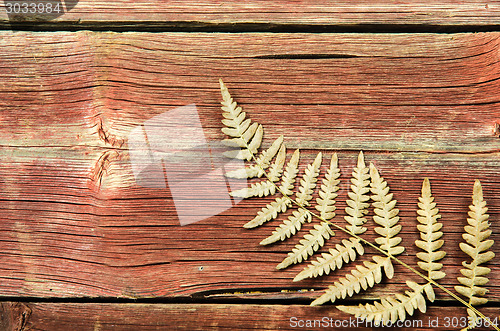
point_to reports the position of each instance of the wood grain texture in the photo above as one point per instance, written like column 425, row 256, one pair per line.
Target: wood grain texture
column 57, row 316
column 74, row 223
column 340, row 13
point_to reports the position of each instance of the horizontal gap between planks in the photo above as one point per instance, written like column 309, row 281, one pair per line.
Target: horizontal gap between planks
column 226, row 300
column 181, row 26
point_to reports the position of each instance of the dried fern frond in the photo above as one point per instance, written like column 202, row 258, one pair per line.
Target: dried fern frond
column 259, row 189
column 247, row 137
column 291, row 171
column 280, row 204
column 476, row 246
column 357, row 205
column 385, row 214
column 263, row 162
column 429, row 233
column 269, row 212
column 398, row 306
column 277, row 167
column 356, row 209
column 362, row 277
column 265, row 187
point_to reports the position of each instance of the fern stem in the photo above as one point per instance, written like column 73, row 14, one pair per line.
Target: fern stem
column 338, row 227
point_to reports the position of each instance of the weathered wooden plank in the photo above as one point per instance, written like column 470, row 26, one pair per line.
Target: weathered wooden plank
column 74, row 222
column 84, row 316
column 395, row 92
column 131, row 245
column 342, row 13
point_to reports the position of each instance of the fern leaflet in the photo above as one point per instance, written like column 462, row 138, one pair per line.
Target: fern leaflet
column 362, row 277
column 311, row 242
column 476, row 246
column 332, row 260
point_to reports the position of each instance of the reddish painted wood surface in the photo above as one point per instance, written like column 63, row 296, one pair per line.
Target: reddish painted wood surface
column 74, row 223
column 339, row 13
column 96, row 317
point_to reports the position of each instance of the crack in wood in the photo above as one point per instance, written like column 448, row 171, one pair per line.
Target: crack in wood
column 306, row 56
column 102, row 166
column 116, row 25
column 108, row 138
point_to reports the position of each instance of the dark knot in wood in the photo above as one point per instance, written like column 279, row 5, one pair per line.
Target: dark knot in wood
column 14, row 316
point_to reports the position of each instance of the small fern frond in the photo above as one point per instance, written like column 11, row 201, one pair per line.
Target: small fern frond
column 362, row 277
column 245, row 135
column 263, row 162
column 332, row 260
column 265, row 187
column 281, row 204
column 392, row 308
column 328, row 191
column 289, row 226
column 385, row 214
column 357, row 205
column 308, row 181
column 429, row 228
column 310, row 244
column 476, row 246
